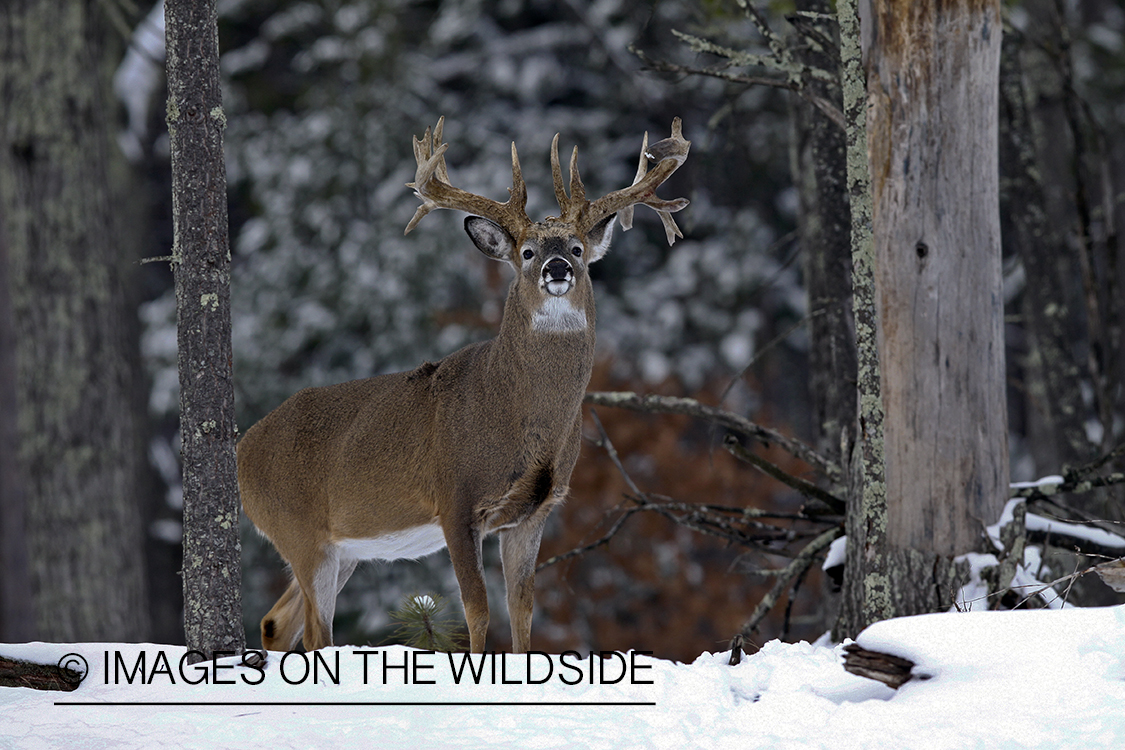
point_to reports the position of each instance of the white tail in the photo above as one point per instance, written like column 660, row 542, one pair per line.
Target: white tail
column 398, row 466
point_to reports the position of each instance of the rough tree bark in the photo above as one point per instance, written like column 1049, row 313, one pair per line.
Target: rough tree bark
column 820, row 174
column 17, row 615
column 865, row 597
column 201, row 261
column 933, row 71
column 81, row 455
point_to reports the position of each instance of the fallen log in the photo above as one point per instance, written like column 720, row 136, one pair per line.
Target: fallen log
column 16, row 673
column 893, row 671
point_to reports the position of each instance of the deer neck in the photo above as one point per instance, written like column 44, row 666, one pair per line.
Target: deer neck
column 548, row 342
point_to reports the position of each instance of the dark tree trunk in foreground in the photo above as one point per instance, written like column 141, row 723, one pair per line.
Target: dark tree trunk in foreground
column 17, row 614
column 820, row 174
column 1054, row 377
column 933, row 73
column 201, row 260
column 81, row 452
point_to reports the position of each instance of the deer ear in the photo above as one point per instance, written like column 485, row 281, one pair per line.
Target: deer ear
column 599, row 238
column 490, row 238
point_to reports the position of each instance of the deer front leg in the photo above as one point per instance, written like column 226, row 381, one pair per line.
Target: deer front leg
column 519, row 549
column 464, row 543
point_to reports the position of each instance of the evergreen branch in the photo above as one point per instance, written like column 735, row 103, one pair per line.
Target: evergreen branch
column 420, row 627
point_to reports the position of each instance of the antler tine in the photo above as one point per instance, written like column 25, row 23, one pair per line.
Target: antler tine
column 518, row 191
column 432, row 186
column 625, row 215
column 570, row 207
column 577, row 189
column 556, row 175
column 668, row 154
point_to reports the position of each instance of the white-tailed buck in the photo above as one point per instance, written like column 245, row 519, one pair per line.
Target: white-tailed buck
column 399, row 466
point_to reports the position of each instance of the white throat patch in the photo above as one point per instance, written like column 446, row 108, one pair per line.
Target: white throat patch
column 558, row 315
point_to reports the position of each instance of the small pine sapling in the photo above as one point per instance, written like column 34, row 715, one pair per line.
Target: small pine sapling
column 421, row 625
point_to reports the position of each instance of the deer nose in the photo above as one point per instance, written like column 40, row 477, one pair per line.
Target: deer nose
column 556, row 269
column 558, row 277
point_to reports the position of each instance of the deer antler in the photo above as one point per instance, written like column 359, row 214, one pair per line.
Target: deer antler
column 668, row 154
column 431, row 185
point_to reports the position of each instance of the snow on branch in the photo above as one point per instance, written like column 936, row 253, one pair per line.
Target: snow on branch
column 1087, row 539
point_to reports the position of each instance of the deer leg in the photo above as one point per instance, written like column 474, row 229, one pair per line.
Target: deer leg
column 347, row 567
column 463, row 542
column 318, row 583
column 519, row 549
column 284, row 623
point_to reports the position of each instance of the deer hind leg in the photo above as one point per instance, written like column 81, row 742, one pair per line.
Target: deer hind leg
column 519, row 549
column 463, row 541
column 284, row 623
column 319, row 583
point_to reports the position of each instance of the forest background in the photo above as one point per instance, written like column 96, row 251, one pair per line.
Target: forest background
column 321, row 99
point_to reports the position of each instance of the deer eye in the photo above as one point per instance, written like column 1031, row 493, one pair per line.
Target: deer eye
column 577, row 250
column 528, row 254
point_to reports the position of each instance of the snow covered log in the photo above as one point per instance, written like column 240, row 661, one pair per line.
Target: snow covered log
column 16, row 673
column 893, row 671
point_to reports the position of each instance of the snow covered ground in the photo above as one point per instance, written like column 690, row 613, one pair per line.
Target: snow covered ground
column 1043, row 678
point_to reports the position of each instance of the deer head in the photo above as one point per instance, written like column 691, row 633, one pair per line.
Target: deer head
column 483, row 441
column 553, row 255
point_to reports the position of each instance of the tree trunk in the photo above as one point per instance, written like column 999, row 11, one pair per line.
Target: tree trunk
column 865, row 596
column 17, row 616
column 81, row 450
column 933, row 72
column 201, row 260
column 1054, row 377
column 820, row 174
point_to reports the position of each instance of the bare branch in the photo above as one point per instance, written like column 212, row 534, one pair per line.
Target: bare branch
column 830, row 110
column 653, row 404
column 808, row 489
column 732, row 524
column 800, row 563
column 592, row 545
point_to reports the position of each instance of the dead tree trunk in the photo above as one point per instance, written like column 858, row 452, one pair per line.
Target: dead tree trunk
column 201, row 260
column 933, row 72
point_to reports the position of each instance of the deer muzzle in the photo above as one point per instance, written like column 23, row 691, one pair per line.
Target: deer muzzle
column 558, row 276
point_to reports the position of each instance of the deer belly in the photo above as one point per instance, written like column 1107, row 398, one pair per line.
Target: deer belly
column 412, row 543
